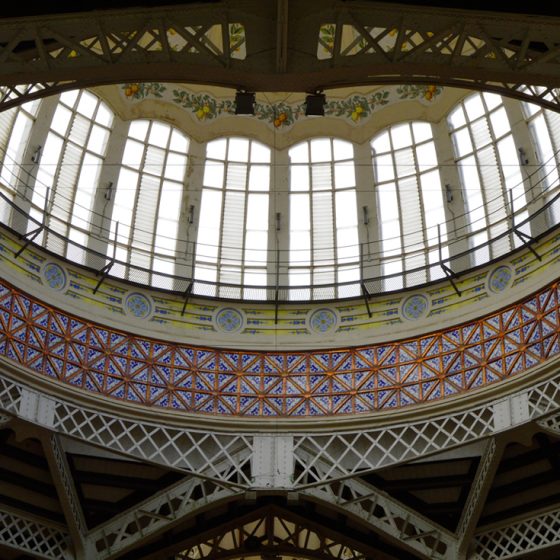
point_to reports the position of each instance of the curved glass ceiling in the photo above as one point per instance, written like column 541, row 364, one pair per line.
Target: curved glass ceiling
column 236, row 218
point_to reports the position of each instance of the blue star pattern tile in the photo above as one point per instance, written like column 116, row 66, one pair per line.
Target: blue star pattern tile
column 144, row 371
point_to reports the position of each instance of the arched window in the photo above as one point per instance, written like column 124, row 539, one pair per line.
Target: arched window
column 324, row 247
column 70, row 164
column 232, row 237
column 15, row 128
column 489, row 167
column 545, row 131
column 410, row 202
column 148, row 198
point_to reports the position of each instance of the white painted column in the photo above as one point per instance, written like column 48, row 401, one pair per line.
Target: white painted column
column 528, row 161
column 369, row 232
column 454, row 201
column 26, row 180
column 102, row 208
column 279, row 236
column 192, row 197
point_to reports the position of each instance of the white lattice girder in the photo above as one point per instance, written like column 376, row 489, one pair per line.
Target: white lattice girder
column 389, row 517
column 321, row 457
column 476, row 499
column 371, row 43
column 30, row 536
column 318, row 457
column 518, row 539
column 551, row 424
column 219, row 455
column 64, row 483
column 156, row 514
column 360, row 451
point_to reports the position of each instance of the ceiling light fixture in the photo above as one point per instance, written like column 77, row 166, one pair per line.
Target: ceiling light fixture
column 245, row 103
column 315, row 105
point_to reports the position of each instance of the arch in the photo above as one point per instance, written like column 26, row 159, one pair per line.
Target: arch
column 69, row 167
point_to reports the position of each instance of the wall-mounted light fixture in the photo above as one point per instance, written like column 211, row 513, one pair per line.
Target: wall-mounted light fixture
column 365, row 211
column 523, row 159
column 108, row 191
column 448, row 193
column 278, row 221
column 36, row 155
column 190, row 215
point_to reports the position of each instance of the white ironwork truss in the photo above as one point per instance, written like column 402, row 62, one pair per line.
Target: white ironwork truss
column 389, row 517
column 518, row 539
column 64, row 483
column 30, row 536
column 226, row 456
column 158, row 513
column 476, row 499
column 316, row 46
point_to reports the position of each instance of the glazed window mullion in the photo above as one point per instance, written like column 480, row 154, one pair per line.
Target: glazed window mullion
column 140, row 220
column 497, row 205
column 544, row 127
column 65, row 181
column 229, row 259
column 498, row 172
column 134, row 256
column 401, row 200
column 158, row 202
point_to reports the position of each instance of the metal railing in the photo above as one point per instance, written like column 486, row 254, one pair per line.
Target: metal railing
column 367, row 266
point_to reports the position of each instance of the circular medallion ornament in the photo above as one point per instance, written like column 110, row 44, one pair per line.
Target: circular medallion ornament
column 500, row 279
column 229, row 320
column 54, row 276
column 323, row 320
column 138, row 305
column 415, row 307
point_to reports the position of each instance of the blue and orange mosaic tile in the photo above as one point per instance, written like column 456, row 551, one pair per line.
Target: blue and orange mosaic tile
column 151, row 372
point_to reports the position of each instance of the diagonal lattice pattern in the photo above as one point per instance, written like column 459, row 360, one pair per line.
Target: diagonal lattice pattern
column 193, row 44
column 389, row 517
column 222, row 456
column 166, row 375
column 321, row 457
column 33, row 537
column 155, row 514
column 535, row 533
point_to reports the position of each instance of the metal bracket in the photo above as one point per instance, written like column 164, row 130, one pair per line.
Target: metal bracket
column 366, row 295
column 526, row 239
column 104, row 273
column 107, row 268
column 187, row 294
column 30, row 236
column 450, row 275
